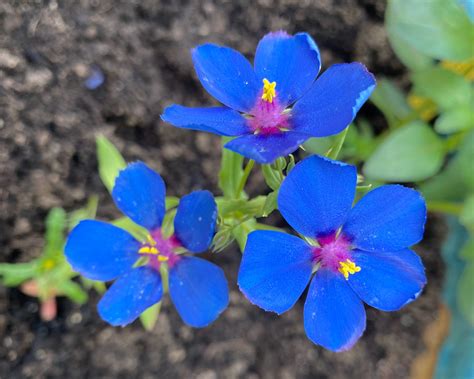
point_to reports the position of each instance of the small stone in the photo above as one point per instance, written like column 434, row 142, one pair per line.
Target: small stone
column 9, row 60
column 38, row 79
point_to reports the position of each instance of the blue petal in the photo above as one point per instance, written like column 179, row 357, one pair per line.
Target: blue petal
column 198, row 290
column 266, row 148
column 227, row 75
column 317, row 195
column 334, row 316
column 293, row 62
column 218, row 120
column 388, row 281
column 139, row 192
column 195, row 221
column 100, row 251
column 333, row 101
column 389, row 218
column 275, row 270
column 130, row 296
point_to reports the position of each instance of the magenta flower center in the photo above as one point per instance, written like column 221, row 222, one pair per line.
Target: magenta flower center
column 159, row 249
column 268, row 116
column 334, row 253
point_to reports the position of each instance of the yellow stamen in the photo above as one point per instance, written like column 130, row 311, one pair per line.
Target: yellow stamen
column 144, row 250
column 348, row 267
column 162, row 258
column 148, row 250
column 268, row 91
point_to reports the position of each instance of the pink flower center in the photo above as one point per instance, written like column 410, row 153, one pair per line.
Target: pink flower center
column 268, row 116
column 334, row 253
column 159, row 249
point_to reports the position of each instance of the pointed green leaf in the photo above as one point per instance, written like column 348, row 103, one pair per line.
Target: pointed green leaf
column 455, row 120
column 150, row 316
column 13, row 274
column 110, row 162
column 409, row 154
column 437, row 28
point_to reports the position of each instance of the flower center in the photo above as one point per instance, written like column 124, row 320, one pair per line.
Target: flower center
column 268, row 116
column 334, row 253
column 159, row 249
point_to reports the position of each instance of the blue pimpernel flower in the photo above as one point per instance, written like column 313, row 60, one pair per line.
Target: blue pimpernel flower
column 275, row 106
column 101, row 251
column 361, row 254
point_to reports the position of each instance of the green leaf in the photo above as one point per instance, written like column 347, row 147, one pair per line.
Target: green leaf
column 14, row 274
column 465, row 289
column 72, row 290
column 150, row 316
column 88, row 212
column 456, row 181
column 242, row 231
column 467, row 214
column 171, row 202
column 139, row 232
column 270, row 203
column 167, row 226
column 273, row 177
column 222, row 239
column 455, row 120
column 231, row 172
column 110, row 162
column 444, row 87
column 437, row 28
column 411, row 153
column 54, row 236
column 238, row 208
column 390, row 100
column 407, row 54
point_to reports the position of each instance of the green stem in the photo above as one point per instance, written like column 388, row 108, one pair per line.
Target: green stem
column 337, row 149
column 245, row 176
column 445, row 207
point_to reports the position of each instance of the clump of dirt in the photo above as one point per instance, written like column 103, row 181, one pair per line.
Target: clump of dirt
column 48, row 121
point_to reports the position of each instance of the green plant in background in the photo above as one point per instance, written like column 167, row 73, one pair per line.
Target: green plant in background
column 49, row 275
column 430, row 136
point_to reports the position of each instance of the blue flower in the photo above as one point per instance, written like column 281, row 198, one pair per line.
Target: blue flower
column 360, row 254
column 276, row 105
column 101, row 251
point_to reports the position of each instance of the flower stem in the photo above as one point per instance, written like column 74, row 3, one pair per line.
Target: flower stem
column 245, row 176
column 445, row 207
column 335, row 150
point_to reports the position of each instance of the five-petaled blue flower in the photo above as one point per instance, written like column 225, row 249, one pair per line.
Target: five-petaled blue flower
column 361, row 254
column 101, row 251
column 276, row 105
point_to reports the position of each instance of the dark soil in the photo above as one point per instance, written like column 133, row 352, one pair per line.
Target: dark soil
column 48, row 121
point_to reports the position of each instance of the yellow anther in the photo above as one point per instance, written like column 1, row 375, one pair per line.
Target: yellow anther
column 348, row 267
column 149, row 250
column 268, row 90
column 162, row 258
column 144, row 250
